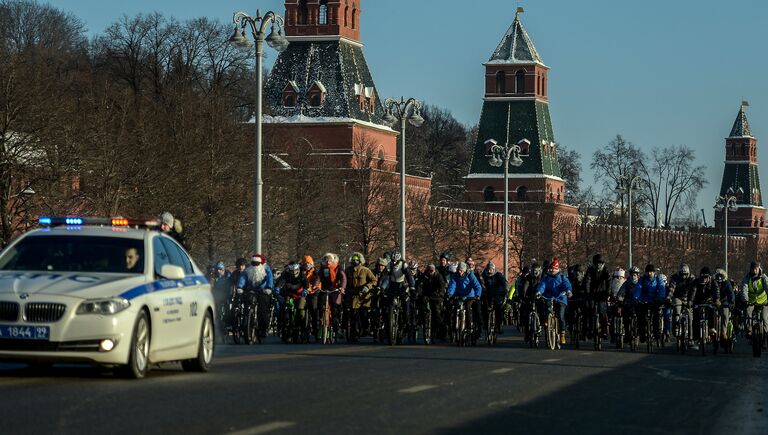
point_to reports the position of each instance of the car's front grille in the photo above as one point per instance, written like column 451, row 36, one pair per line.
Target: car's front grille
column 9, row 311
column 43, row 312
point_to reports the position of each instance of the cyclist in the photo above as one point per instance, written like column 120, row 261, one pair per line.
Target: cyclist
column 527, row 295
column 442, row 268
column 619, row 277
column 624, row 295
column 556, row 286
column 705, row 293
column 753, row 292
column 727, row 300
column 464, row 285
column 360, row 281
column 431, row 288
column 598, row 284
column 310, row 273
column 649, row 293
column 258, row 279
column 332, row 279
column 495, row 292
column 294, row 285
column 681, row 287
column 578, row 302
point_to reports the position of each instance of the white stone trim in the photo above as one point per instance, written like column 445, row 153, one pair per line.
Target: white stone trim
column 324, row 38
column 527, row 98
column 513, row 176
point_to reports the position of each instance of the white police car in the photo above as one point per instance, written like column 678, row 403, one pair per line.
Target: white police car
column 109, row 292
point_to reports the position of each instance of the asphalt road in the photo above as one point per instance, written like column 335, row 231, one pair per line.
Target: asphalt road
column 372, row 389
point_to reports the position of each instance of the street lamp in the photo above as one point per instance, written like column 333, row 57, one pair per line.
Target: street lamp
column 627, row 185
column 403, row 111
column 278, row 41
column 508, row 154
column 725, row 203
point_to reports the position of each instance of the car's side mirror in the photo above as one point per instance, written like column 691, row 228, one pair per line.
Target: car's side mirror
column 170, row 271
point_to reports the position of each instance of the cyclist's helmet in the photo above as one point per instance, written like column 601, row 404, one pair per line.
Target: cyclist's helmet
column 720, row 275
column 413, row 267
column 685, row 270
column 634, row 270
column 220, row 265
column 396, row 256
column 293, row 268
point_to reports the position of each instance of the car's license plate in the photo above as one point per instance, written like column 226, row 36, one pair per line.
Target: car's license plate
column 17, row 332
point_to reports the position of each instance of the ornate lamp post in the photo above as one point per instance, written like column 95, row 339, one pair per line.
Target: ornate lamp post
column 627, row 185
column 258, row 26
column 725, row 203
column 508, row 154
column 403, row 111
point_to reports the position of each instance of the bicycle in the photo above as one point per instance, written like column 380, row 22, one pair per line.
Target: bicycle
column 552, row 327
column 617, row 322
column 463, row 329
column 394, row 314
column 295, row 328
column 633, row 336
column 682, row 334
column 533, row 334
column 246, row 323
column 596, row 327
column 426, row 321
column 327, row 330
column 756, row 327
column 576, row 323
column 653, row 328
column 728, row 331
column 704, row 329
column 490, row 326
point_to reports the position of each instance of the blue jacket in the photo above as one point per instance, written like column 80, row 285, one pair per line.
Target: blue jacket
column 465, row 287
column 649, row 290
column 267, row 283
column 556, row 287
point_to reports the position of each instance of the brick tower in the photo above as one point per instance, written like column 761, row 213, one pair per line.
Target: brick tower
column 741, row 177
column 516, row 107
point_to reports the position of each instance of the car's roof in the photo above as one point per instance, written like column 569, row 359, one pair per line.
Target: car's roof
column 87, row 230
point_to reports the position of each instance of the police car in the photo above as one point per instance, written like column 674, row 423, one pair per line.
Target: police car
column 111, row 292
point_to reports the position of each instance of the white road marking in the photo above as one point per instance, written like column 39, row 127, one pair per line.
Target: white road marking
column 417, row 389
column 500, row 371
column 667, row 374
column 551, row 360
column 586, row 353
column 265, row 428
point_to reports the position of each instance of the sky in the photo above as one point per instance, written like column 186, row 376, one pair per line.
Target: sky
column 658, row 72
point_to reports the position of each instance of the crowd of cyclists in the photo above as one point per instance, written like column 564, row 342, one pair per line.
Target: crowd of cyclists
column 395, row 301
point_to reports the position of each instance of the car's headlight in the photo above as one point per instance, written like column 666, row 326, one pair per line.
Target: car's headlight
column 103, row 306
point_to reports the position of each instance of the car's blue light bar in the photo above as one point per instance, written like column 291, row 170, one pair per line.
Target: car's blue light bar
column 118, row 222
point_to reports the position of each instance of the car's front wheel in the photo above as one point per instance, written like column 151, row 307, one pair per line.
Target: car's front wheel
column 138, row 360
column 202, row 363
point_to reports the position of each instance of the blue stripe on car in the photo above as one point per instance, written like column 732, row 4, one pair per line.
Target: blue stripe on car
column 163, row 284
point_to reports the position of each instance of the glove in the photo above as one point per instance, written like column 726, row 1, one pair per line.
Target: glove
column 365, row 289
column 538, row 295
column 239, row 291
column 267, row 291
column 304, row 293
column 689, row 303
column 717, row 303
column 570, row 294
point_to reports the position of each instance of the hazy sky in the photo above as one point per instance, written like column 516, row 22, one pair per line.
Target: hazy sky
column 659, row 72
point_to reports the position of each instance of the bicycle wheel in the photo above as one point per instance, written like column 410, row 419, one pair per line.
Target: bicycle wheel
column 392, row 325
column 598, row 341
column 757, row 339
column 460, row 327
column 703, row 333
column 325, row 325
column 619, row 328
column 491, row 334
column 649, row 333
column 251, row 328
column 634, row 340
column 716, row 336
column 552, row 337
column 427, row 326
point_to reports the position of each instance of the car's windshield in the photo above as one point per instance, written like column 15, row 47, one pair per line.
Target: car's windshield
column 72, row 253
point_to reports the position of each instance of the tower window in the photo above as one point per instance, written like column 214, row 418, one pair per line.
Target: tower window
column 489, row 194
column 314, row 100
column 346, row 16
column 303, row 12
column 324, row 12
column 501, row 83
column 520, row 82
column 354, row 18
column 522, row 193
column 289, row 101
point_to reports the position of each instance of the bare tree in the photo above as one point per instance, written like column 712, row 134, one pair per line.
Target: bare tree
column 671, row 183
column 619, row 159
